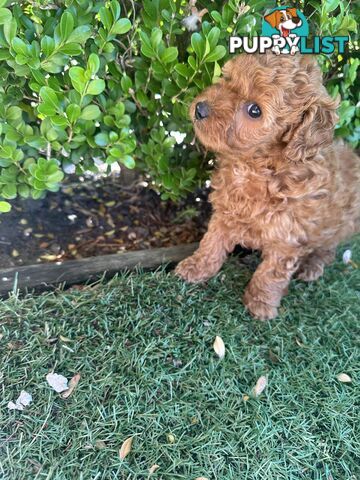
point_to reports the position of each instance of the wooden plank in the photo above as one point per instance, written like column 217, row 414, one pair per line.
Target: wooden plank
column 76, row 271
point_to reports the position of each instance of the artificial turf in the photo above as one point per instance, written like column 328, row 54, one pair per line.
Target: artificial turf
column 143, row 345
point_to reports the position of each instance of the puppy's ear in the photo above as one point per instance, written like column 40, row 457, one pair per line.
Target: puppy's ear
column 273, row 18
column 314, row 131
column 292, row 11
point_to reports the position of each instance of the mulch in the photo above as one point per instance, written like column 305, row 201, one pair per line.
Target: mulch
column 96, row 217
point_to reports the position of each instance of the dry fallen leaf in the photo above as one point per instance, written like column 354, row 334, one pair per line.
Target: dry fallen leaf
column 273, row 357
column 100, row 444
column 58, row 382
column 72, row 385
column 260, row 386
column 22, row 401
column 344, row 378
column 246, row 398
column 153, row 469
column 65, row 339
column 219, row 347
column 125, row 448
column 170, row 438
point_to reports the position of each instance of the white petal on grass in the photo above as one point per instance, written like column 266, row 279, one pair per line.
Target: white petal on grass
column 125, row 448
column 201, row 478
column 23, row 400
column 219, row 347
column 153, row 469
column 347, row 256
column 57, row 382
column 72, row 385
column 260, row 386
column 344, row 378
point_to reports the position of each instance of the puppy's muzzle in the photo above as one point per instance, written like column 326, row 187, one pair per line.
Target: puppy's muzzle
column 202, row 110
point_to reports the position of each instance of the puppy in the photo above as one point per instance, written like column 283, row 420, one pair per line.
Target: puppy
column 282, row 185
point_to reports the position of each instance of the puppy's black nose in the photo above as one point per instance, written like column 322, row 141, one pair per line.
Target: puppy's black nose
column 296, row 20
column 202, row 110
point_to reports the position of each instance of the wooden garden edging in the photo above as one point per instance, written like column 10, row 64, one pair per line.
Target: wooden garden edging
column 74, row 271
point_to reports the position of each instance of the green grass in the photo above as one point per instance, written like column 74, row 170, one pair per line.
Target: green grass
column 143, row 345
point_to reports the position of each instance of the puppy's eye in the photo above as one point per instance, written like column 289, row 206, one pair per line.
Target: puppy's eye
column 254, row 110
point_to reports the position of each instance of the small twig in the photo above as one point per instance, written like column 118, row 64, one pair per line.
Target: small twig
column 48, row 151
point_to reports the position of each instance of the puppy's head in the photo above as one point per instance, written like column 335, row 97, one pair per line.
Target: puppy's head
column 264, row 102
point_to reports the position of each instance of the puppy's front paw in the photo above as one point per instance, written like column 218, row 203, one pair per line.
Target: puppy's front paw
column 258, row 309
column 192, row 270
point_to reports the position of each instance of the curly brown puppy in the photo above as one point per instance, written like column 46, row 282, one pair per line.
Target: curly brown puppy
column 282, row 185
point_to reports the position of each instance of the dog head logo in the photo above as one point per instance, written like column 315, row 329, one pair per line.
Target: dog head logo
column 284, row 21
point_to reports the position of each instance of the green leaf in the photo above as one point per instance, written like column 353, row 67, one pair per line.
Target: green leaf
column 198, row 44
column 59, row 121
column 55, row 177
column 102, row 139
column 146, row 47
column 5, row 16
column 10, row 29
column 46, row 110
column 21, row 59
column 115, row 9
column 169, row 55
column 216, row 54
column 91, row 112
column 78, row 80
column 156, row 37
column 5, row 54
column 66, row 25
column 126, row 83
column 47, row 45
column 330, row 5
column 13, row 113
column 49, row 97
column 121, row 26
column 213, row 37
column 95, row 87
column 128, row 161
column 106, row 17
column 9, row 191
column 73, row 112
column 182, row 70
column 5, row 207
column 24, row 191
column 19, row 46
column 116, row 152
column 93, row 63
column 72, row 49
column 80, row 34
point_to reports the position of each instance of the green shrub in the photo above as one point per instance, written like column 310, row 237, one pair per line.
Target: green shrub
column 88, row 82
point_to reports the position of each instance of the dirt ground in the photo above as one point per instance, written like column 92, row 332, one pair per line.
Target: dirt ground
column 96, row 217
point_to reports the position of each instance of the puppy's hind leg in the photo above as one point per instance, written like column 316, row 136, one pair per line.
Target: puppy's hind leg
column 312, row 267
column 209, row 257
